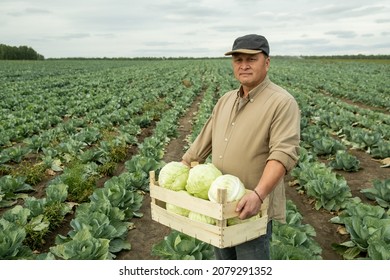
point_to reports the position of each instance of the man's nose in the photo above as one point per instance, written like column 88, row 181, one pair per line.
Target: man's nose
column 244, row 65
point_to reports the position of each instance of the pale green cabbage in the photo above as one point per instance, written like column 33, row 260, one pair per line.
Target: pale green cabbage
column 176, row 209
column 201, row 218
column 237, row 220
column 200, row 178
column 235, row 188
column 173, row 176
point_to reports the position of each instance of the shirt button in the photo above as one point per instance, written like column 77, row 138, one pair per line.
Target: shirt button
column 251, row 100
column 226, row 139
column 220, row 156
column 232, row 123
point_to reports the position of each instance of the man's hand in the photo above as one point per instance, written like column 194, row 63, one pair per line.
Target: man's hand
column 250, row 203
column 248, row 206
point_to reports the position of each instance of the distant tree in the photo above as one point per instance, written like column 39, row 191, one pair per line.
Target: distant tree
column 21, row 52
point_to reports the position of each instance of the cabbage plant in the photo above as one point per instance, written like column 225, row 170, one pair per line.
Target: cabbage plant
column 345, row 161
column 83, row 246
column 366, row 224
column 380, row 192
column 179, row 246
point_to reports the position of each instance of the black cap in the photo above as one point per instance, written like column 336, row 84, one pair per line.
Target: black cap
column 250, row 44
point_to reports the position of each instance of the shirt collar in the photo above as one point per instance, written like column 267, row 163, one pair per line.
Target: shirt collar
column 254, row 92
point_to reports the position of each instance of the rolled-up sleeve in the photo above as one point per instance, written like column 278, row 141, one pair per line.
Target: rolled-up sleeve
column 285, row 134
column 200, row 149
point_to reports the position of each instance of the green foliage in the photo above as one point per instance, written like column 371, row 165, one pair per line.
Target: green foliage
column 138, row 168
column 81, row 181
column 45, row 214
column 11, row 241
column 83, row 247
column 345, row 161
column 11, row 189
column 368, row 139
column 34, row 173
column 36, row 230
column 379, row 244
column 327, row 146
column 179, row 246
column 330, row 190
column 108, row 168
column 21, row 52
column 380, row 192
column 120, row 194
column 294, row 240
column 13, row 154
column 364, row 223
column 106, row 215
column 381, row 149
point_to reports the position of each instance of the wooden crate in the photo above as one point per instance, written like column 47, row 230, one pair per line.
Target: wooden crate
column 219, row 235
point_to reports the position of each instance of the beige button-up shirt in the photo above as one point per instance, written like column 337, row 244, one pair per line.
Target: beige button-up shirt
column 243, row 134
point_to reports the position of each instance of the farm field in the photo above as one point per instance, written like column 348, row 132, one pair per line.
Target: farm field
column 79, row 137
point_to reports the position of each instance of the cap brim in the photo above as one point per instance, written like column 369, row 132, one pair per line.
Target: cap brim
column 246, row 51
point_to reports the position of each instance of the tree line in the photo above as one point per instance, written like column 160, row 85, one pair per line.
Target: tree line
column 21, row 52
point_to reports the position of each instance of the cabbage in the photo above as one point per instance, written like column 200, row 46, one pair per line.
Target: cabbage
column 237, row 220
column 173, row 176
column 200, row 178
column 235, row 188
column 201, row 218
column 176, row 209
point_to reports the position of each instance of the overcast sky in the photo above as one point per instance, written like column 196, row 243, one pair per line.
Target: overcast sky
column 203, row 28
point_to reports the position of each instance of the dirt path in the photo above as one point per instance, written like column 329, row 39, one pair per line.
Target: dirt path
column 148, row 232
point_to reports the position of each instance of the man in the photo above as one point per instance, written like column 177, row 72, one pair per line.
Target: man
column 253, row 133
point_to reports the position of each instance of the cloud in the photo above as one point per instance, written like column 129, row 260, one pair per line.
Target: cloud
column 28, row 12
column 342, row 34
column 382, row 20
column 193, row 28
column 351, row 10
column 187, row 10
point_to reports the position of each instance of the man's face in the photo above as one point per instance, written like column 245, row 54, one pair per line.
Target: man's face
column 250, row 69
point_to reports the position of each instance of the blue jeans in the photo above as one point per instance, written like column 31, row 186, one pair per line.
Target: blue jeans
column 256, row 249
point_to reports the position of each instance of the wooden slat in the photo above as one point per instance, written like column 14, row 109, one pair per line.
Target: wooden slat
column 219, row 235
column 202, row 206
column 202, row 231
column 237, row 234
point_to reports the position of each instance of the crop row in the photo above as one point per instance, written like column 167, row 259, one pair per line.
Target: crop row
column 101, row 224
column 330, row 128
column 77, row 120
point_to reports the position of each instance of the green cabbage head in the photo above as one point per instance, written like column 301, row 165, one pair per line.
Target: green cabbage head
column 237, row 220
column 200, row 178
column 176, row 209
column 173, row 176
column 235, row 188
column 201, row 218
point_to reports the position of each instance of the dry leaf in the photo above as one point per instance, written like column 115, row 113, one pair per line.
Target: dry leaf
column 342, row 230
column 385, row 162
